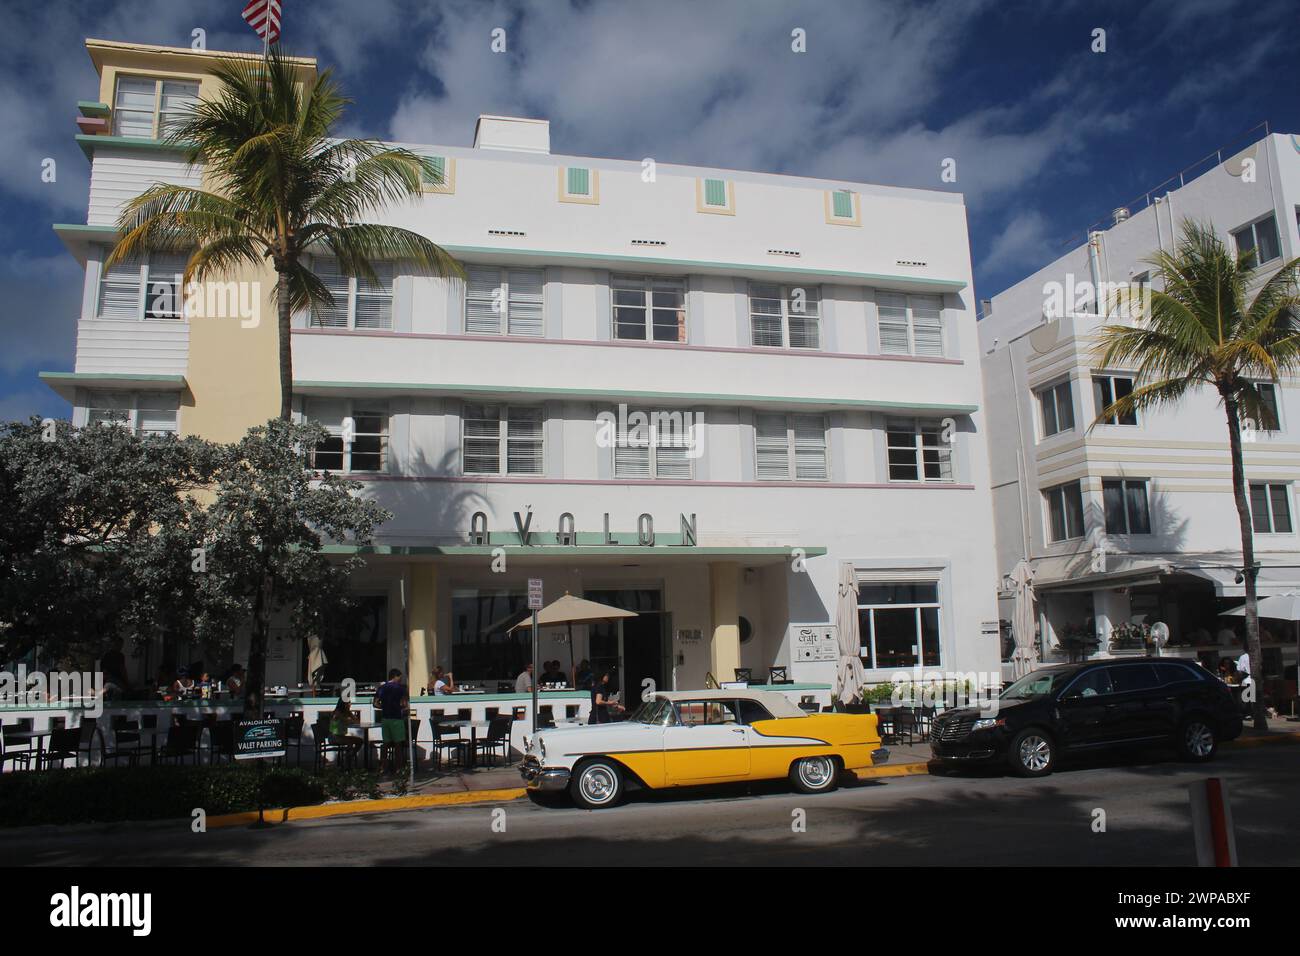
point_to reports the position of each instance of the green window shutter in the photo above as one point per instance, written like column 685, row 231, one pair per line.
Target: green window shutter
column 579, row 181
column 440, row 167
column 715, row 192
column 843, row 204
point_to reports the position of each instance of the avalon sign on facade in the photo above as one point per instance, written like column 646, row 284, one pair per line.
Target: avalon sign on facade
column 566, row 532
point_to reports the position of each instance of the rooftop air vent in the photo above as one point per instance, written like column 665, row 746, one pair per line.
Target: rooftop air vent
column 910, row 262
column 506, row 232
column 649, row 242
column 1120, row 214
column 793, row 253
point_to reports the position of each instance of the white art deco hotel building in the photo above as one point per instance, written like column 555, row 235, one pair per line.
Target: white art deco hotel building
column 819, row 337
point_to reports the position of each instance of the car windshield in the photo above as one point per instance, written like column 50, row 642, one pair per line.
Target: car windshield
column 654, row 711
column 1037, row 684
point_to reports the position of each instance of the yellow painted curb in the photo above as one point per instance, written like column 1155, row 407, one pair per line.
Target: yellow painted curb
column 910, row 769
column 1282, row 737
column 289, row 814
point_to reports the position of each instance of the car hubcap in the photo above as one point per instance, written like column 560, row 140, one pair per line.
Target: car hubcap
column 1199, row 740
column 816, row 772
column 598, row 785
column 1035, row 753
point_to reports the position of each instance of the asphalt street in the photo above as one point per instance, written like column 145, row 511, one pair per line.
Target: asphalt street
column 972, row 819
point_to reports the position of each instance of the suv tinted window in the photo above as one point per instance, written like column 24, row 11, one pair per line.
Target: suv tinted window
column 1090, row 684
column 1176, row 673
column 1133, row 677
column 751, row 710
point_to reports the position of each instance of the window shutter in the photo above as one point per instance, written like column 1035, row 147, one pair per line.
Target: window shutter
column 164, row 294
column 481, row 454
column 524, row 441
column 440, row 171
column 178, row 101
column 375, row 299
column 632, row 460
column 133, row 108
column 927, row 325
column 525, row 311
column 772, row 448
column 333, row 316
column 805, row 326
column 480, row 298
column 765, row 315
column 810, row 447
column 579, row 181
column 842, row 204
column 894, row 339
column 715, row 192
column 119, row 291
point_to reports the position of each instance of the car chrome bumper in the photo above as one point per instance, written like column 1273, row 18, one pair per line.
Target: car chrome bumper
column 879, row 755
column 537, row 777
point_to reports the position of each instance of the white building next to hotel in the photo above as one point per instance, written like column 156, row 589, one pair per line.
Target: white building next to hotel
column 1133, row 521
column 816, row 339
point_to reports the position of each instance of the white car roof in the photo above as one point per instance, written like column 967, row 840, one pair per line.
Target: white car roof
column 778, row 705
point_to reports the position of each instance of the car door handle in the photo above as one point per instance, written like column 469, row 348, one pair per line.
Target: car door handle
column 737, row 730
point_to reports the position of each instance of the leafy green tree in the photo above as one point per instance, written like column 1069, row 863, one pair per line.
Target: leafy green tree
column 96, row 539
column 265, row 535
column 1203, row 328
column 281, row 188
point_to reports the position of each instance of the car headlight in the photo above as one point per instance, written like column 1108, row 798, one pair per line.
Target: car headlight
column 987, row 723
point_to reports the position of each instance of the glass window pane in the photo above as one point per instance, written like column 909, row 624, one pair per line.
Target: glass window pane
column 1064, row 407
column 1139, row 517
column 1280, row 495
column 931, row 645
column 1112, row 493
column 897, row 637
column 1074, row 510
column 1260, row 515
column 1266, row 237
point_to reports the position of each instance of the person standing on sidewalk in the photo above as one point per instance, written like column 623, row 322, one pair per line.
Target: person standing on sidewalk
column 394, row 704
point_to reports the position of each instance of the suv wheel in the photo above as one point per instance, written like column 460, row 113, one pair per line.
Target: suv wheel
column 1196, row 739
column 597, row 784
column 815, row 775
column 1032, row 753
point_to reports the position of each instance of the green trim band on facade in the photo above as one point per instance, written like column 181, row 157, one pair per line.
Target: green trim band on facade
column 89, row 143
column 92, row 109
column 711, row 397
column 571, row 550
column 730, row 268
column 62, row 383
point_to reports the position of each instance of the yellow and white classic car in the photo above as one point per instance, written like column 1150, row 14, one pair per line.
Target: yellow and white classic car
column 690, row 738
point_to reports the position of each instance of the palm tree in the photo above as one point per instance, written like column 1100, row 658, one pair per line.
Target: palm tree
column 281, row 189
column 1201, row 329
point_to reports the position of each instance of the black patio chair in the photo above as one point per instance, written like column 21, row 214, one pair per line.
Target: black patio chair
column 498, row 738
column 65, row 743
column 20, row 756
column 886, row 724
column 182, row 741
column 779, row 675
column 128, row 742
column 745, row 674
column 447, row 740
column 221, row 741
column 325, row 745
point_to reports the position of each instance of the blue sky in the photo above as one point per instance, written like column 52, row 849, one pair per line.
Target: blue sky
column 1048, row 135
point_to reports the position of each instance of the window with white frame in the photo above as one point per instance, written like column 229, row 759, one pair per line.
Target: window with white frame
column 1270, row 507
column 1260, row 240
column 917, row 450
column 503, row 301
column 790, row 447
column 898, row 623
column 1270, row 418
column 358, row 435
column 1106, row 390
column 148, row 288
column 502, row 440
column 1064, row 504
column 910, row 324
column 1056, row 408
column 649, row 308
column 658, row 444
column 1126, row 506
column 359, row 303
column 145, row 413
column 785, row 316
column 150, row 108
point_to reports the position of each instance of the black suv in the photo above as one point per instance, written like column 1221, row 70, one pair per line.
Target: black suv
column 1092, row 707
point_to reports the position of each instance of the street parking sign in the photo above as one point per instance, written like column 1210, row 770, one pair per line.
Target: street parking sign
column 534, row 594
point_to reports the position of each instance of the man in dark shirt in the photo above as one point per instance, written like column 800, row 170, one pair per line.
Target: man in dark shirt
column 393, row 701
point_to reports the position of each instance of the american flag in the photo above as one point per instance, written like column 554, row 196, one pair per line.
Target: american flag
column 264, row 17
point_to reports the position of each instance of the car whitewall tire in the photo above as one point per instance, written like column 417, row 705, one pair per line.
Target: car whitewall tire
column 815, row 774
column 597, row 784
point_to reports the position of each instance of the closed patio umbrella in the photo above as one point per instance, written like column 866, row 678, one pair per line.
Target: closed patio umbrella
column 316, row 659
column 1025, row 657
column 849, row 676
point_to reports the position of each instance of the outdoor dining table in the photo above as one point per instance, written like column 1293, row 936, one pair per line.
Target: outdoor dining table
column 473, row 725
column 20, row 736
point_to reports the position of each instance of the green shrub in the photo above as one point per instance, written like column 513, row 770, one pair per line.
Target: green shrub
column 105, row 795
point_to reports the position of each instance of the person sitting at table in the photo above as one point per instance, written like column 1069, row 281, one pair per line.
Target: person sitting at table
column 524, row 682
column 552, row 674
column 235, row 681
column 443, row 682
column 582, row 676
column 183, row 685
column 341, row 718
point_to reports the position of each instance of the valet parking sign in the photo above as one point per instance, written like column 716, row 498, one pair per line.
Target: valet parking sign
column 259, row 738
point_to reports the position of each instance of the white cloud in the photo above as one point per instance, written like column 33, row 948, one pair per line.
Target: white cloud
column 1023, row 242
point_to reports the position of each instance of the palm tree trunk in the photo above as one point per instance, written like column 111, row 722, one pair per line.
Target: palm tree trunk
column 286, row 346
column 1247, row 559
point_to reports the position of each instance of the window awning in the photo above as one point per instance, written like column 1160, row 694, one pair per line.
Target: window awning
column 65, row 384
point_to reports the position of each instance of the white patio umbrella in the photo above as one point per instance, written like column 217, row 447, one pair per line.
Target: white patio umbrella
column 849, row 676
column 1277, row 607
column 1025, row 656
